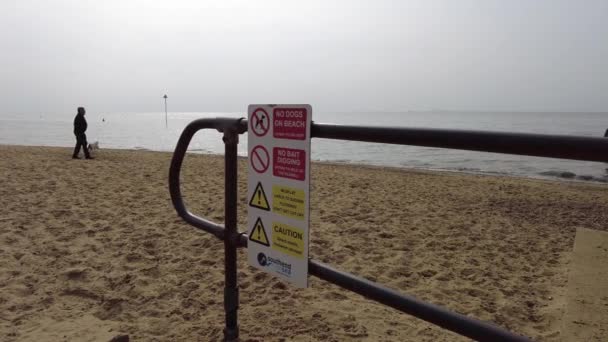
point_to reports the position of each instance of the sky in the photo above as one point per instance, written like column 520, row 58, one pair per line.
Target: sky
column 123, row 56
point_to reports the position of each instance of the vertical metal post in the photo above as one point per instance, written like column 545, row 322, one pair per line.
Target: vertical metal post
column 231, row 237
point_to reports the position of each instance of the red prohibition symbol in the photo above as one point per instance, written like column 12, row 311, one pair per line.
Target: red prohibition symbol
column 259, row 159
column 260, row 122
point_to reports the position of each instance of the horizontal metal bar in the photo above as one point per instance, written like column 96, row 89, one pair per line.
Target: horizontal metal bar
column 538, row 145
column 461, row 324
column 220, row 124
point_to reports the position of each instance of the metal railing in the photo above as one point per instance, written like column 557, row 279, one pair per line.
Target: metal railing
column 555, row 146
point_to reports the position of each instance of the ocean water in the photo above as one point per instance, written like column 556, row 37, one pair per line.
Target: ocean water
column 147, row 131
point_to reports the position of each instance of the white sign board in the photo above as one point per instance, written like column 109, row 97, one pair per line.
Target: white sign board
column 278, row 190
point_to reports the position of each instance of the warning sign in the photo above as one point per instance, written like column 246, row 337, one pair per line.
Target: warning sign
column 278, row 183
column 289, row 123
column 259, row 199
column 258, row 233
column 288, row 239
column 289, row 163
column 288, row 201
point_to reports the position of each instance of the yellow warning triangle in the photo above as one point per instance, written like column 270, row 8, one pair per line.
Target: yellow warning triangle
column 259, row 199
column 258, row 233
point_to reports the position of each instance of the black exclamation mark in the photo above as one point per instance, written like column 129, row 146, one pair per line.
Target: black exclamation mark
column 259, row 199
column 259, row 237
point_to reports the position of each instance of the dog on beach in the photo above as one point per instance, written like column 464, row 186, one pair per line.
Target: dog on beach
column 93, row 148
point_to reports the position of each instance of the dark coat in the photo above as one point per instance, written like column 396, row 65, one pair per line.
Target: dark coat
column 80, row 124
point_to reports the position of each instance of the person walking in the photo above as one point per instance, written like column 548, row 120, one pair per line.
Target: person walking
column 80, row 127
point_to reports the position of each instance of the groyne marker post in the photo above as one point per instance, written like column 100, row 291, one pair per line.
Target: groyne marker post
column 166, row 121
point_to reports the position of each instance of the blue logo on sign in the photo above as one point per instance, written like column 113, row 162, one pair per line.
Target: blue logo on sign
column 262, row 260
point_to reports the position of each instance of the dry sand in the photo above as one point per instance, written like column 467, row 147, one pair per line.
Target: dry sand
column 94, row 249
column 586, row 316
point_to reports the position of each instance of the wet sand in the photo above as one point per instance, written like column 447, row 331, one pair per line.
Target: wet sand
column 94, row 249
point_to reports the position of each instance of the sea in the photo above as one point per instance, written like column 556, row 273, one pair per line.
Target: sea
column 157, row 132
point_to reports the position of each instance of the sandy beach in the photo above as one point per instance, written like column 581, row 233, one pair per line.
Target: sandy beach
column 93, row 249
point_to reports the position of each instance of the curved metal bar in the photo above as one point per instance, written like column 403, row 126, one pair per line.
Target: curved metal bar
column 220, row 124
column 553, row 146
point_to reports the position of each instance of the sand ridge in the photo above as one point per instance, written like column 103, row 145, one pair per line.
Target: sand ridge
column 99, row 242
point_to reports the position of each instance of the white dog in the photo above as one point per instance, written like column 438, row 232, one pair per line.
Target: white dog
column 93, row 148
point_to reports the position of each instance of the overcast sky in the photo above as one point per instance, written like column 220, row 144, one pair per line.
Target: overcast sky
column 122, row 56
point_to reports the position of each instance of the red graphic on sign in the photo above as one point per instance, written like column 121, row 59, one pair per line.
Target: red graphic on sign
column 260, row 122
column 259, row 158
column 289, row 163
column 289, row 123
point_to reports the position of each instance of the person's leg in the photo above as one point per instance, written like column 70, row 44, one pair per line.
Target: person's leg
column 77, row 147
column 85, row 146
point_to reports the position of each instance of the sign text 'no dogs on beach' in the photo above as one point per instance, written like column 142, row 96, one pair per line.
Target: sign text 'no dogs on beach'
column 278, row 190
